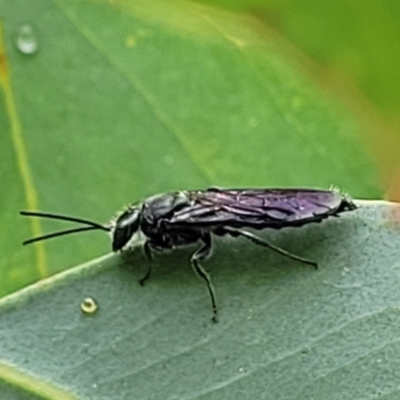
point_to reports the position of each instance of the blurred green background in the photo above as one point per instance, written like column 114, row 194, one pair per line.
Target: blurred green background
column 353, row 50
column 105, row 103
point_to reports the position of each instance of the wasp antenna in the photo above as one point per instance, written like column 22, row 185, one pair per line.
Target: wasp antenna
column 65, row 218
column 60, row 233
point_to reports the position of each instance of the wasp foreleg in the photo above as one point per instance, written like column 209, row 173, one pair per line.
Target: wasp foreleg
column 149, row 255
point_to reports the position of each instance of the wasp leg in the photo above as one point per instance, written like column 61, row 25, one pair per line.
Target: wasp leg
column 201, row 254
column 149, row 255
column 257, row 240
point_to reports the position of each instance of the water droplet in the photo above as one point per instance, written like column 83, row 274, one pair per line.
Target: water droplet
column 89, row 305
column 26, row 41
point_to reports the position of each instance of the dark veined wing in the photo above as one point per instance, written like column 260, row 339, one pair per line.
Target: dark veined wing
column 259, row 208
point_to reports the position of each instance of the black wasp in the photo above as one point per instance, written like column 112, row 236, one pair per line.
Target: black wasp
column 180, row 218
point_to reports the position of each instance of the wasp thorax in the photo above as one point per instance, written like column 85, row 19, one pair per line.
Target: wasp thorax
column 126, row 225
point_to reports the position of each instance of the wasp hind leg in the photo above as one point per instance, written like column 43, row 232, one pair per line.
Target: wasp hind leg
column 201, row 254
column 262, row 242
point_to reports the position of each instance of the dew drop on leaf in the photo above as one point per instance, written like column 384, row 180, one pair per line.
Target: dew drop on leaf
column 26, row 41
column 89, row 305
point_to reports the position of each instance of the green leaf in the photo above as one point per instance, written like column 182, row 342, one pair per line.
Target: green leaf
column 123, row 100
column 286, row 331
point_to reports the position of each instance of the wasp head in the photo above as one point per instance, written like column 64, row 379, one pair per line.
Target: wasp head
column 126, row 225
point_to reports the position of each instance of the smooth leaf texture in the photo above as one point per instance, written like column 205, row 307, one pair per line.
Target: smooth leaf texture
column 286, row 331
column 122, row 100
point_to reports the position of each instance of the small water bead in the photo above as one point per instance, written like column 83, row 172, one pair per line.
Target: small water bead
column 26, row 40
column 89, row 305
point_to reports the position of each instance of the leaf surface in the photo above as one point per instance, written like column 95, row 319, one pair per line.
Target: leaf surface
column 286, row 331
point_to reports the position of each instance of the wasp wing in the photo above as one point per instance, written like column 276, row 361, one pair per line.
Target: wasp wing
column 259, row 208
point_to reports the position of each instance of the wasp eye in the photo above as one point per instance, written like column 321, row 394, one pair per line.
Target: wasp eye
column 125, row 227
